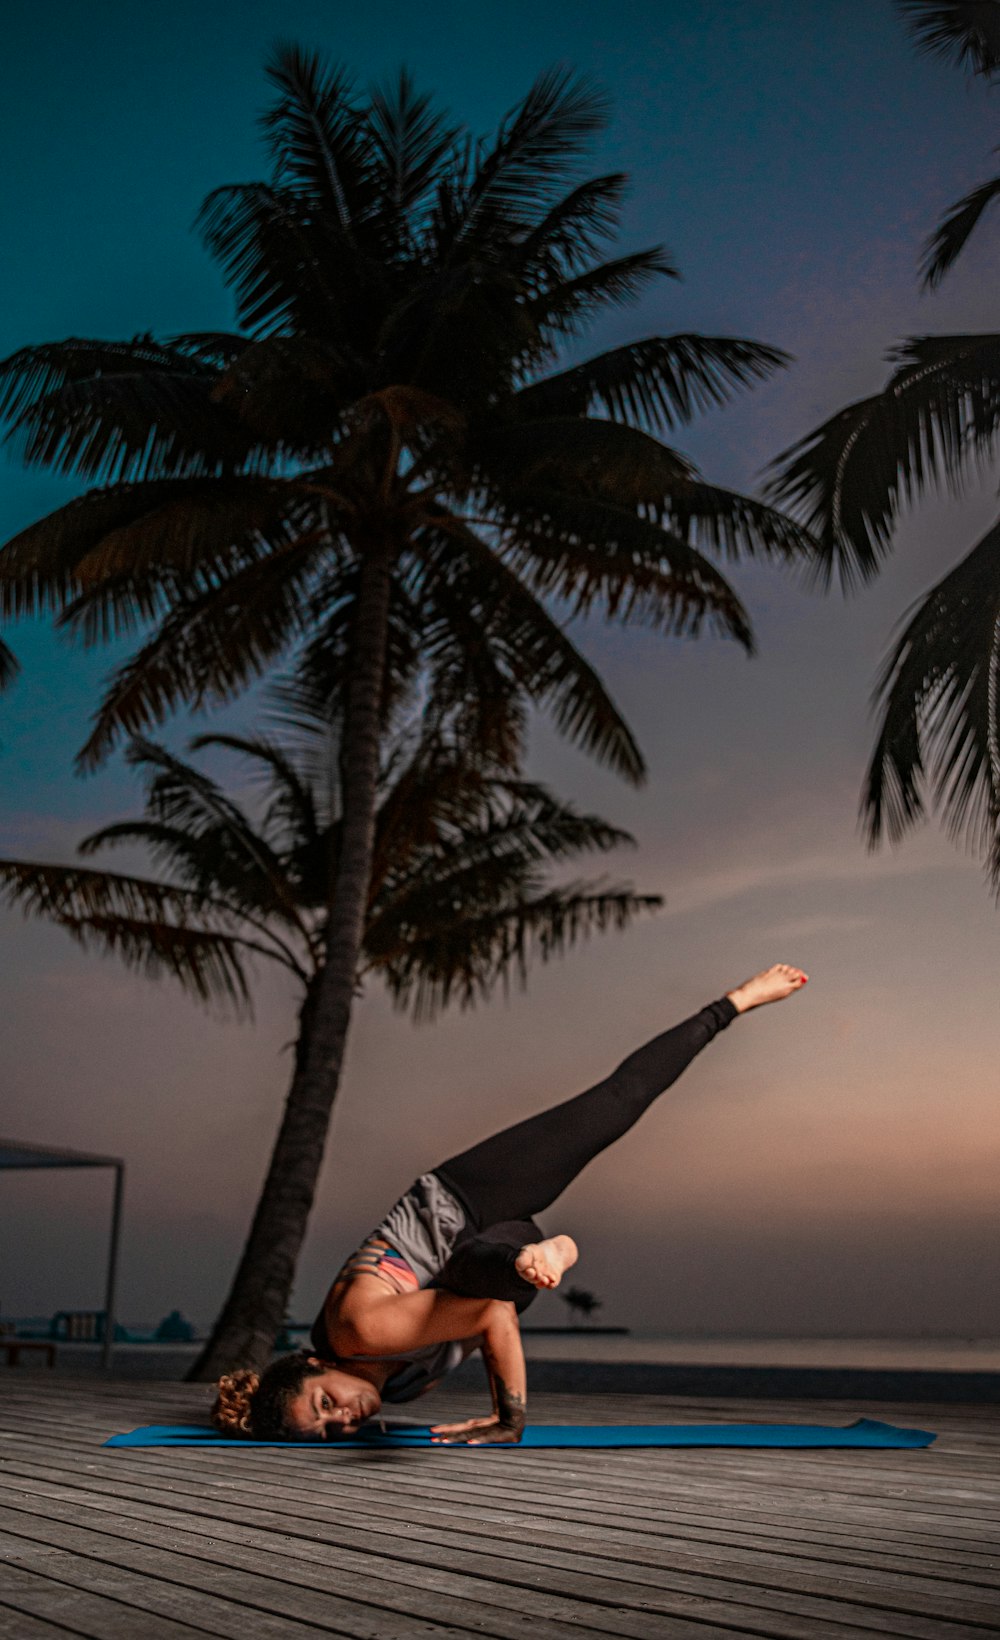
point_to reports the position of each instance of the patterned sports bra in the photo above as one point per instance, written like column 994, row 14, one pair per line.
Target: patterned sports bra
column 375, row 1257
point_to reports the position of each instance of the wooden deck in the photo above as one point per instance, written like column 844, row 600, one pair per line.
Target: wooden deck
column 159, row 1544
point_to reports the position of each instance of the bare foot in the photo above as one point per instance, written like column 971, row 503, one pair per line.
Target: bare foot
column 770, row 986
column 544, row 1263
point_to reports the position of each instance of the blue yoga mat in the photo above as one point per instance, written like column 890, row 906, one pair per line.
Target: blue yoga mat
column 866, row 1432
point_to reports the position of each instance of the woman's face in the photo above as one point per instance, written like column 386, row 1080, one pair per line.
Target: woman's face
column 330, row 1404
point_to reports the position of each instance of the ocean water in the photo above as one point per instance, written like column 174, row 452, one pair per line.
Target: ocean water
column 925, row 1354
column 170, row 1361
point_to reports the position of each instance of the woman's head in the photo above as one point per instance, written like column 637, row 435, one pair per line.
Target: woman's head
column 297, row 1398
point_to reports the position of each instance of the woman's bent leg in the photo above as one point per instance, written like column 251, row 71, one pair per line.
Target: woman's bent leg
column 519, row 1172
column 482, row 1265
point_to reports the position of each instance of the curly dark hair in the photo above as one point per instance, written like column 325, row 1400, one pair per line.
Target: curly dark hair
column 255, row 1405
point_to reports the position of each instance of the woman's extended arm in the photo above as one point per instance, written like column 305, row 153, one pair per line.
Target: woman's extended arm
column 504, row 1357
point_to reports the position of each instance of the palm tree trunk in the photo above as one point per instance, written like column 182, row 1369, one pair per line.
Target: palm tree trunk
column 253, row 1313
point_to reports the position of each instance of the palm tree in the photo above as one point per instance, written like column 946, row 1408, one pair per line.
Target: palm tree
column 581, row 1302
column 385, row 466
column 936, row 419
column 460, row 899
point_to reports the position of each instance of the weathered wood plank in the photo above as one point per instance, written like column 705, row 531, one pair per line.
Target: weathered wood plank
column 709, row 1597
column 17, row 1625
column 76, row 1610
column 204, row 1609
column 298, row 1580
column 514, row 1580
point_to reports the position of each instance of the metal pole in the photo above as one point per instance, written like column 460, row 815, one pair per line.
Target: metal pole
column 109, row 1292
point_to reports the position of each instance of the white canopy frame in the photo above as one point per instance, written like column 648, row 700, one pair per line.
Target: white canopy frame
column 14, row 1153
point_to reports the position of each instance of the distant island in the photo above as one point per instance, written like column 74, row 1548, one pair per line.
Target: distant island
column 589, row 1332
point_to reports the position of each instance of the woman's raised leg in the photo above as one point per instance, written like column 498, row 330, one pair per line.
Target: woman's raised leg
column 519, row 1172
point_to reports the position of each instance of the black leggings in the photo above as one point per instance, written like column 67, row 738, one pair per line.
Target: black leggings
column 505, row 1180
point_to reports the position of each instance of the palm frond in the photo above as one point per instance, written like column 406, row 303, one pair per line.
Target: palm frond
column 179, row 794
column 439, row 790
column 950, row 239
column 523, row 817
column 564, row 309
column 936, row 419
column 538, row 143
column 308, row 251
column 291, row 811
column 736, row 525
column 271, row 251
column 590, row 553
column 423, row 337
column 208, row 838
column 152, row 927
column 123, row 429
column 216, row 348
column 194, row 533
column 583, row 456
column 657, row 382
column 465, row 957
column 463, row 577
column 940, row 724
column 37, row 565
column 317, row 136
column 212, row 863
column 33, row 373
column 180, row 851
column 462, row 822
column 479, row 670
column 964, row 32
column 422, row 786
column 571, row 231
column 208, row 967
column 437, row 888
column 137, row 538
column 9, row 665
column 208, row 648
column 112, row 412
column 842, row 481
column 459, row 897
column 410, row 144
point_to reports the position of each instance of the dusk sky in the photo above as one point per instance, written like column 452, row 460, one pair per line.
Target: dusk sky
column 830, row 1165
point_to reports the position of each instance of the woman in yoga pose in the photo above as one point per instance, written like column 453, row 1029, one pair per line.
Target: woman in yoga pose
column 459, row 1258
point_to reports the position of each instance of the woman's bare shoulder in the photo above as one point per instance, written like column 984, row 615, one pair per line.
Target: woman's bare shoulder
column 349, row 1304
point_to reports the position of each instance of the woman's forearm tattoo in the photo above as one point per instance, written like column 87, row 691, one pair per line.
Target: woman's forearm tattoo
column 511, row 1409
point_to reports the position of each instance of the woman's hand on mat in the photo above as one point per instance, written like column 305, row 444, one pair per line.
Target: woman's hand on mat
column 463, row 1428
column 478, row 1432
